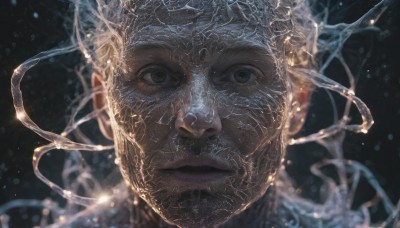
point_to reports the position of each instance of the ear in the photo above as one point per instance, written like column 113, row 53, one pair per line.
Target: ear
column 99, row 102
column 298, row 110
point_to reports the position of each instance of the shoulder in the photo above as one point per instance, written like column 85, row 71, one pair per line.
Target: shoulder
column 298, row 212
column 99, row 216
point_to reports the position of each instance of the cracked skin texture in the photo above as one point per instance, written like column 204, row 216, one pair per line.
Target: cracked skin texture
column 201, row 79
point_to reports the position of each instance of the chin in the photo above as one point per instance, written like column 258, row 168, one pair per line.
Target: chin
column 197, row 208
column 202, row 208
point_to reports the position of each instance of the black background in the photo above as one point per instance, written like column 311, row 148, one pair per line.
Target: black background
column 28, row 27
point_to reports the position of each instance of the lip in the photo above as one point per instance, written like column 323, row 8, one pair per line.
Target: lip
column 197, row 170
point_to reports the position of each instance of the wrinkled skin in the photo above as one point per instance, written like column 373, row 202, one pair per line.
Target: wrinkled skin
column 199, row 83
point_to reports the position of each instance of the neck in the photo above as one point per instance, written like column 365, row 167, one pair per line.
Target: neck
column 261, row 213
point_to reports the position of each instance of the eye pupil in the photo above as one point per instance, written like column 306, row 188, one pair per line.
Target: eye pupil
column 158, row 76
column 242, row 76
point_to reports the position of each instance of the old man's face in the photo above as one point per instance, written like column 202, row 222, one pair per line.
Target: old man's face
column 198, row 113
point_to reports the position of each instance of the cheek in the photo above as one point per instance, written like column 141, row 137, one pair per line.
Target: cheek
column 140, row 122
column 134, row 154
column 129, row 158
column 138, row 127
column 255, row 123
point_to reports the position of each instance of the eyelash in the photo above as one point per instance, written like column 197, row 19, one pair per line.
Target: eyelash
column 228, row 75
column 146, row 74
column 169, row 79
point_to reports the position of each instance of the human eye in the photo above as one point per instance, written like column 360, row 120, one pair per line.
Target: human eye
column 241, row 75
column 156, row 75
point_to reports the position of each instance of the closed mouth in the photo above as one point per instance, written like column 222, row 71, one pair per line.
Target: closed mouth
column 197, row 171
column 197, row 174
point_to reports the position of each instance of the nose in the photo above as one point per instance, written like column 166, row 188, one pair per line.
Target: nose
column 198, row 123
column 198, row 116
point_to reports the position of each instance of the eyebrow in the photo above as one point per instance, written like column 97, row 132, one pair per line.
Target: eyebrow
column 248, row 47
column 145, row 45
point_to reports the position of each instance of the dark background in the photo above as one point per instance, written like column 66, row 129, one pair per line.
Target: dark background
column 29, row 27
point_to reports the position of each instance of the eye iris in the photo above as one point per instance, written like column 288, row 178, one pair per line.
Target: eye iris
column 242, row 76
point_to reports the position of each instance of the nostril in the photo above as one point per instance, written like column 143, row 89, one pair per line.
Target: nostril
column 211, row 131
column 212, row 137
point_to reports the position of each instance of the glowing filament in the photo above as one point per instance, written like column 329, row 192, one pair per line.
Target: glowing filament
column 21, row 116
column 86, row 55
column 99, row 147
column 103, row 199
column 17, row 70
column 67, row 193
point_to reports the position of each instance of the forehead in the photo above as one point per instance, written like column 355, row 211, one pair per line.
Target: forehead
column 173, row 12
column 197, row 24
